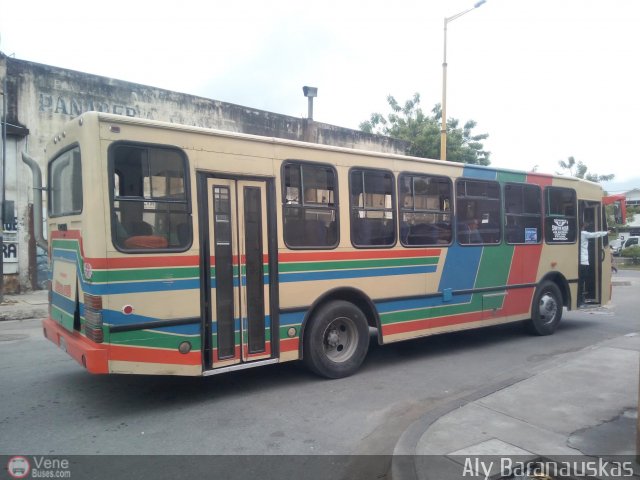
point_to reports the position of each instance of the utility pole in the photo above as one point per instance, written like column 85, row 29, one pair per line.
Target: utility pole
column 2, row 181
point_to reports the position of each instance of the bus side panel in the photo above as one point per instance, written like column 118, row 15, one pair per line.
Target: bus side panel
column 64, row 262
column 137, row 301
column 488, row 270
column 137, row 293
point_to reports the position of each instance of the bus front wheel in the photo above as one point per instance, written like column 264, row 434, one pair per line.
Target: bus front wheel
column 546, row 310
column 336, row 340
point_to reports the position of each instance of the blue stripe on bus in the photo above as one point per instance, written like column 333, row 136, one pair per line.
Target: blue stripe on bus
column 138, row 287
column 65, row 255
column 63, row 303
column 472, row 171
column 244, row 281
column 292, row 318
column 363, row 273
column 460, row 270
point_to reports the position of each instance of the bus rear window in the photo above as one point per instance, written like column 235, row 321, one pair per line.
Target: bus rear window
column 65, row 184
column 150, row 210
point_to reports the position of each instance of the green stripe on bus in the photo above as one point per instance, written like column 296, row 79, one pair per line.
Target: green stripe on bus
column 350, row 264
column 495, row 265
column 431, row 312
column 62, row 317
column 144, row 274
column 149, row 338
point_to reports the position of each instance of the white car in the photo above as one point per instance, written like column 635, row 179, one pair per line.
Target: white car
column 630, row 242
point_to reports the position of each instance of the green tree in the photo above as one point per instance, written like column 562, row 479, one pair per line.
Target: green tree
column 422, row 131
column 579, row 170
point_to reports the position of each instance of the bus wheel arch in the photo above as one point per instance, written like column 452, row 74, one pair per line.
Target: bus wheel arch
column 562, row 284
column 335, row 332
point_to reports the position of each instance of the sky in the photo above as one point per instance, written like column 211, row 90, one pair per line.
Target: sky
column 546, row 79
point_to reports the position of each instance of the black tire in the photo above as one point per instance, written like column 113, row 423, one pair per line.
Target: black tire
column 546, row 310
column 336, row 340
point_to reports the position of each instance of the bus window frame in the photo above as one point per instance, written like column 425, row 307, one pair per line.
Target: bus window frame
column 393, row 209
column 401, row 209
column 335, row 208
column 540, row 214
column 111, row 171
column 50, row 183
column 499, row 200
column 547, row 215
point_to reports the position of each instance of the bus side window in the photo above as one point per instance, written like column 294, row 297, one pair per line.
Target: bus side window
column 310, row 205
column 561, row 225
column 150, row 207
column 478, row 212
column 523, row 213
column 425, row 215
column 373, row 221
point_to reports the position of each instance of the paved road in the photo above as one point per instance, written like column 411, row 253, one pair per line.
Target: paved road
column 50, row 405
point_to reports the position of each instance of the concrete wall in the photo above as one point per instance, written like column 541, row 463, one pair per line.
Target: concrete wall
column 41, row 98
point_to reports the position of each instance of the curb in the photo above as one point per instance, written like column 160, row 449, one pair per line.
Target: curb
column 403, row 460
column 23, row 314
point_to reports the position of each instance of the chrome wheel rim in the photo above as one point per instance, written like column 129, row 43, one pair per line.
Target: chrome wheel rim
column 340, row 339
column 548, row 308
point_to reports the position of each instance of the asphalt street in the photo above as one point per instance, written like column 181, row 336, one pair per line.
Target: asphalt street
column 50, row 405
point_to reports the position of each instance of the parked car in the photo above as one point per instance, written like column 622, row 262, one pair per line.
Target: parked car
column 630, row 242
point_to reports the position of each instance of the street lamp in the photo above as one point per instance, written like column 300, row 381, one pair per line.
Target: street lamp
column 443, row 131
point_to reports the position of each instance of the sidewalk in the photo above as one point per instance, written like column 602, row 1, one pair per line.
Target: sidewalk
column 25, row 305
column 579, row 407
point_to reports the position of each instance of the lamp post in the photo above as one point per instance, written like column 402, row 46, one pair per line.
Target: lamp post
column 443, row 131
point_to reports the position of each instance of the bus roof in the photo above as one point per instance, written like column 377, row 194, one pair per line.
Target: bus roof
column 122, row 119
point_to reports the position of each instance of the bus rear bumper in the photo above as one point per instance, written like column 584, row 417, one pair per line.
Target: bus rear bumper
column 93, row 356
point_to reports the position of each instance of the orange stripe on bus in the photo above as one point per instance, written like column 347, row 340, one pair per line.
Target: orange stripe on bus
column 153, row 355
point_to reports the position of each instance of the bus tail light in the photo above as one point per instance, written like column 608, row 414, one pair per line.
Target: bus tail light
column 93, row 317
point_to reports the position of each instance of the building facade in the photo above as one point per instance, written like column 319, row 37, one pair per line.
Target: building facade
column 40, row 99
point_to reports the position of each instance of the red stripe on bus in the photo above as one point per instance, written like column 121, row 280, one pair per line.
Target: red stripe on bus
column 518, row 301
column 429, row 323
column 143, row 262
column 357, row 255
column 541, row 179
column 289, row 344
column 129, row 261
column 524, row 269
column 524, row 264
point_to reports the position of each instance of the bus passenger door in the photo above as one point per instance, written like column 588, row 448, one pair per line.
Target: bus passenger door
column 592, row 279
column 238, row 327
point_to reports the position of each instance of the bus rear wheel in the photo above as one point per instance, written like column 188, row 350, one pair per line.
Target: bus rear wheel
column 546, row 310
column 336, row 340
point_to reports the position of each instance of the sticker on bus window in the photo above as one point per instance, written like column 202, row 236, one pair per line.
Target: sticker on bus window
column 560, row 230
column 530, row 235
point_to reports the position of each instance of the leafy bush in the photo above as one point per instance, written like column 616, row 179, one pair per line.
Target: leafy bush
column 633, row 253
